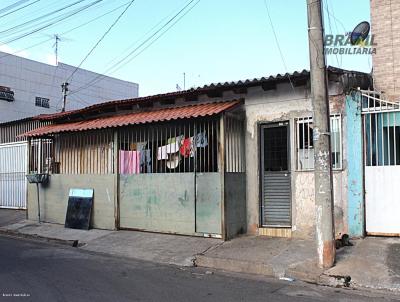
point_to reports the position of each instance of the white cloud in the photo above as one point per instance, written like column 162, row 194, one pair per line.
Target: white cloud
column 6, row 48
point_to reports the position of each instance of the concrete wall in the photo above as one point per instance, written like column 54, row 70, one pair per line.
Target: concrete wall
column 30, row 79
column 355, row 195
column 54, row 198
column 284, row 104
column 235, row 204
column 167, row 202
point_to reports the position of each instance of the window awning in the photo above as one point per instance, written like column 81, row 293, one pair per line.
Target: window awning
column 156, row 115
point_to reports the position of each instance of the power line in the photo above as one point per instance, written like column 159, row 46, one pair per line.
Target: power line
column 117, row 65
column 41, row 17
column 326, row 8
column 278, row 45
column 55, row 22
column 18, row 9
column 101, row 39
column 11, row 6
column 65, row 32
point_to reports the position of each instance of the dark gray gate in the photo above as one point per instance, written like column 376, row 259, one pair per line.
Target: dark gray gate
column 275, row 176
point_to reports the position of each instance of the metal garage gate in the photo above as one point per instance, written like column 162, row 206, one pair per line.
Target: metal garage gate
column 13, row 168
column 381, row 120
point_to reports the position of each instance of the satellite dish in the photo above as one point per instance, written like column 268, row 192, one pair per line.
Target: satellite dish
column 360, row 33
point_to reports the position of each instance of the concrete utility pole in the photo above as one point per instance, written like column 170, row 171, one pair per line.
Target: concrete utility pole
column 325, row 229
column 64, row 87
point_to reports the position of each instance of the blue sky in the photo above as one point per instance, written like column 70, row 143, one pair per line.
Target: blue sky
column 218, row 40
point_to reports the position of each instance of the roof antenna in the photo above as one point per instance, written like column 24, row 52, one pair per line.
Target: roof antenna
column 57, row 38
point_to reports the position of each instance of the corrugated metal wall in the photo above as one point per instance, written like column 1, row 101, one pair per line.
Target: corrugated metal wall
column 13, row 167
column 10, row 131
column 88, row 152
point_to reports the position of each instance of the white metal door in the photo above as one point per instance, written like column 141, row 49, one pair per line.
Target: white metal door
column 382, row 200
column 13, row 168
column 381, row 121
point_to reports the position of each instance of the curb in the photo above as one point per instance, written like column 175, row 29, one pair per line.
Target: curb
column 236, row 266
column 249, row 267
column 12, row 233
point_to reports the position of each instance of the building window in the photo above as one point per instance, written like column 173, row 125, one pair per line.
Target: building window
column 305, row 145
column 42, row 102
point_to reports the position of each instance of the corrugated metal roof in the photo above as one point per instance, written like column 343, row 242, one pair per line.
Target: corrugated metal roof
column 158, row 115
column 176, row 94
column 221, row 86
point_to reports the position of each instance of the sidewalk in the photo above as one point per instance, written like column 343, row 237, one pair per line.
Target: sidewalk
column 160, row 248
column 277, row 257
column 372, row 263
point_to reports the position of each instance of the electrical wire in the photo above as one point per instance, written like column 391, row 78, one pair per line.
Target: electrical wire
column 18, row 9
column 11, row 6
column 55, row 22
column 101, row 39
column 278, row 45
column 118, row 64
column 65, row 32
column 41, row 17
column 326, row 7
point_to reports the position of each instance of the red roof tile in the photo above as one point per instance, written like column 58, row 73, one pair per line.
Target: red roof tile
column 157, row 115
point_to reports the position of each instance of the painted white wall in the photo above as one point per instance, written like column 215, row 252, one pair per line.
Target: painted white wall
column 29, row 79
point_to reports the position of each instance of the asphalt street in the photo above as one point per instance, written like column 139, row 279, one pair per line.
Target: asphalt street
column 38, row 271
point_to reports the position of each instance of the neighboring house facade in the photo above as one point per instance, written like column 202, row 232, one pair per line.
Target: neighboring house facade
column 386, row 60
column 29, row 88
column 374, row 141
column 218, row 161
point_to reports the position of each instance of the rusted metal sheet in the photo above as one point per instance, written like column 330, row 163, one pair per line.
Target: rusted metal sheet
column 156, row 115
column 10, row 132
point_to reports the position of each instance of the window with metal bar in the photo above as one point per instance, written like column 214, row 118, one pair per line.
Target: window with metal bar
column 41, row 156
column 382, row 138
column 173, row 147
column 305, row 145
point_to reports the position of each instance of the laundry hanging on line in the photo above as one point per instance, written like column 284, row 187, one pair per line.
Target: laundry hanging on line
column 129, row 162
column 200, row 140
column 145, row 161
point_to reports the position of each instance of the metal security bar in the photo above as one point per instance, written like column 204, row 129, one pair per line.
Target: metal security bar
column 179, row 147
column 89, row 152
column 234, row 144
column 382, row 138
column 373, row 101
column 305, row 145
column 41, row 156
column 13, row 168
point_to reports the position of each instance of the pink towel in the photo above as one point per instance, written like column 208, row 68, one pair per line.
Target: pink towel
column 129, row 162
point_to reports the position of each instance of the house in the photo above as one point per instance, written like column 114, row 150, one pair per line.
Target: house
column 374, row 139
column 29, row 88
column 219, row 160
